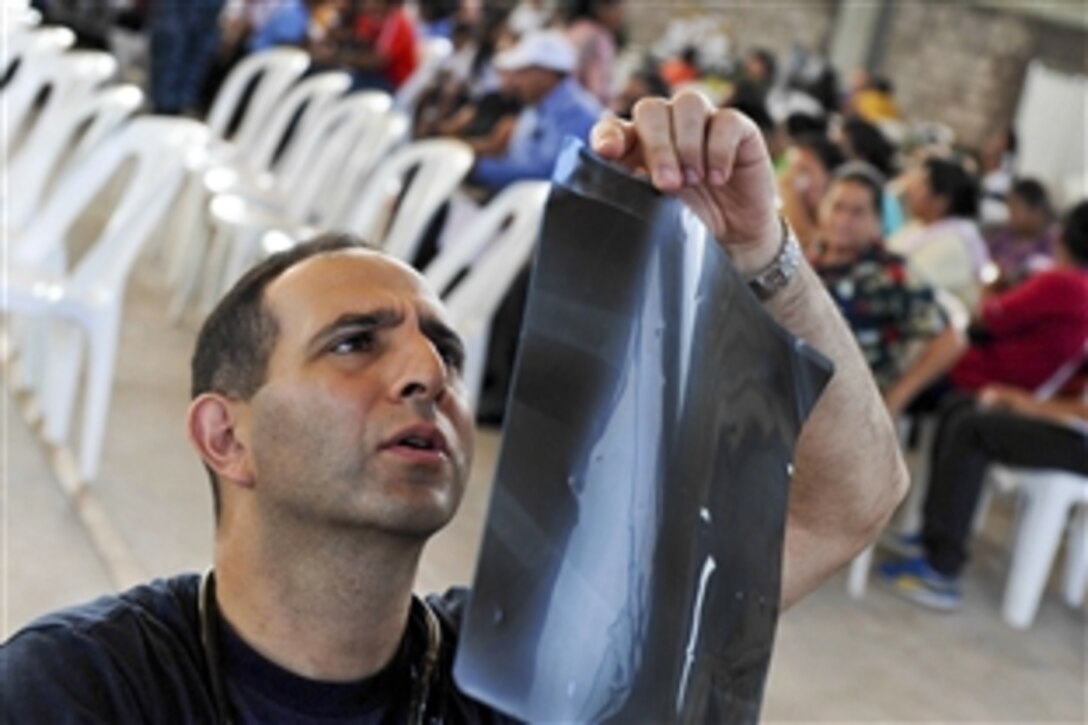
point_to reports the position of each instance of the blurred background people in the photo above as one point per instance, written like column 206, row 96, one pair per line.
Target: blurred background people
column 639, row 85
column 997, row 162
column 593, row 27
column 810, row 161
column 1007, row 425
column 539, row 72
column 900, row 327
column 942, row 239
column 184, row 38
column 382, row 50
column 1025, row 244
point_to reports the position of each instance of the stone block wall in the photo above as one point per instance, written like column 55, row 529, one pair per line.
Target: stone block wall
column 956, row 64
column 951, row 61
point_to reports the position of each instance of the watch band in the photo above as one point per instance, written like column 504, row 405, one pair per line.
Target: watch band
column 768, row 281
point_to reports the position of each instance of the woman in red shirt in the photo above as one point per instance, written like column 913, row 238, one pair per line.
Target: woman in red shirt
column 1024, row 336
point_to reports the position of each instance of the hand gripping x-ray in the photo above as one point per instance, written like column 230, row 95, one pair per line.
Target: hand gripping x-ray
column 632, row 552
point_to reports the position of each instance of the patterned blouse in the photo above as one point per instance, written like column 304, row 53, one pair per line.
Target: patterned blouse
column 887, row 308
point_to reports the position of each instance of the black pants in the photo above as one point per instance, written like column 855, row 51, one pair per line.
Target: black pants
column 968, row 440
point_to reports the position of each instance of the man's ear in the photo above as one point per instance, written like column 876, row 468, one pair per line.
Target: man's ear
column 213, row 427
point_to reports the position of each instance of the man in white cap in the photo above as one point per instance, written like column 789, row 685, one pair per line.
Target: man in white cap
column 538, row 71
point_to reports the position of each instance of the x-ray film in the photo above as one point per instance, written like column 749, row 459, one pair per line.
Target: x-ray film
column 632, row 553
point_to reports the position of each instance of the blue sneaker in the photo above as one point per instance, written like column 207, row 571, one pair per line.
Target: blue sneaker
column 916, row 580
column 907, row 546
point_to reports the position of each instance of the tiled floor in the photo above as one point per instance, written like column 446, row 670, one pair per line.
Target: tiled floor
column 880, row 659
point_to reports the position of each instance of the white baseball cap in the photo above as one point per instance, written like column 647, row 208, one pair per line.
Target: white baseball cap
column 541, row 49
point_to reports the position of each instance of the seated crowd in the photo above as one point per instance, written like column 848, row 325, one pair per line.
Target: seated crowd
column 965, row 294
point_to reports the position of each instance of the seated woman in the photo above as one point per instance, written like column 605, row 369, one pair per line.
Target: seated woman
column 1025, row 244
column 890, row 311
column 942, row 241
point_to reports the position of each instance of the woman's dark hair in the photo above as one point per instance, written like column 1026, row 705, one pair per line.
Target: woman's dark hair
column 870, row 145
column 805, row 124
column 950, row 180
column 822, row 148
column 1033, row 194
column 863, row 174
column 578, row 9
column 1075, row 234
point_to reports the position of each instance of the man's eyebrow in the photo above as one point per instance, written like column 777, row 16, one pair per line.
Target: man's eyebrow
column 439, row 332
column 373, row 320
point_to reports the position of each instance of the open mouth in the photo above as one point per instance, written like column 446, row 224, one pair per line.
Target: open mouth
column 420, row 440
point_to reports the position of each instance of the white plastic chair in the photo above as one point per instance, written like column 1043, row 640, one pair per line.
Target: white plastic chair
column 439, row 166
column 90, row 296
column 433, row 53
column 274, row 71
column 493, row 249
column 343, row 146
column 1048, row 497
column 64, row 74
column 252, row 170
column 27, row 41
column 43, row 154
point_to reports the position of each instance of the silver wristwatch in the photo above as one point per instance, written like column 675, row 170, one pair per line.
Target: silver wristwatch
column 768, row 281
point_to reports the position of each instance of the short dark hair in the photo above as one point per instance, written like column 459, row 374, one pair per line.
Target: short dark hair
column 949, row 179
column 866, row 175
column 869, row 144
column 1075, row 234
column 237, row 339
column 829, row 155
column 1033, row 194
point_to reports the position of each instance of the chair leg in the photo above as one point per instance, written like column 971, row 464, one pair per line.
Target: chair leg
column 1045, row 508
column 858, row 576
column 909, row 518
column 103, row 354
column 188, row 258
column 1076, row 559
column 62, row 366
column 242, row 248
column 214, row 271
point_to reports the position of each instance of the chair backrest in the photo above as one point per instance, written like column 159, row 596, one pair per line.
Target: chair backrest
column 494, row 248
column 501, row 237
column 378, row 135
column 24, row 41
column 160, row 148
column 321, row 160
column 433, row 53
column 419, row 177
column 296, row 110
column 63, row 74
column 273, row 70
column 38, row 160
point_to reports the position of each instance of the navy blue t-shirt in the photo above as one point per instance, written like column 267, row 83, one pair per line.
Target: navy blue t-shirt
column 137, row 657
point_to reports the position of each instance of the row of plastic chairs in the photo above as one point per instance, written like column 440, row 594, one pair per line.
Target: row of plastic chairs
column 56, row 305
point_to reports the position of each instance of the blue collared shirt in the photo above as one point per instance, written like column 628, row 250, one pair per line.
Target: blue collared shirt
column 286, row 26
column 538, row 136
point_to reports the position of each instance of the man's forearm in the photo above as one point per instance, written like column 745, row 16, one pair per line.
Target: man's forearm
column 849, row 473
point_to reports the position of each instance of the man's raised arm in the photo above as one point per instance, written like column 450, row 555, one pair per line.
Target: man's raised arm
column 848, row 473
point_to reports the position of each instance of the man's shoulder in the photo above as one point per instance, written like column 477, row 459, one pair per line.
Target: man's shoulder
column 170, row 601
column 108, row 656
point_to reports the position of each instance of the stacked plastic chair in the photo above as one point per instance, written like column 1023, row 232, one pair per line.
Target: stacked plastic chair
column 83, row 303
